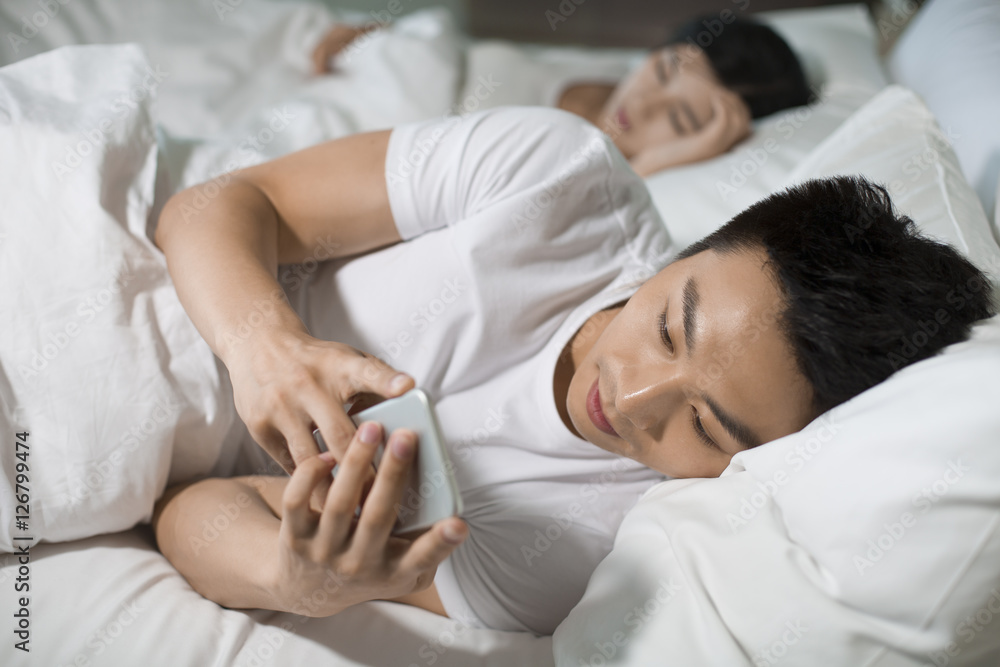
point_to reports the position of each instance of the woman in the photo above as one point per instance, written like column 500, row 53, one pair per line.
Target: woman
column 512, row 264
column 684, row 103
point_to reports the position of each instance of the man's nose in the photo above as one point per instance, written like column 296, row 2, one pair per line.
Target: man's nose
column 648, row 393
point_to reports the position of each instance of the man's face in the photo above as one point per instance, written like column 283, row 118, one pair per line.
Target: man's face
column 718, row 378
column 668, row 97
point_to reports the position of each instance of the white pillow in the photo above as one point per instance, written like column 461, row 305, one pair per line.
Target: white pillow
column 950, row 55
column 823, row 547
column 869, row 538
column 896, row 141
column 101, row 365
column 838, row 47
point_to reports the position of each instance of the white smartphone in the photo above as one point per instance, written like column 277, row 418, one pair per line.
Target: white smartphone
column 431, row 493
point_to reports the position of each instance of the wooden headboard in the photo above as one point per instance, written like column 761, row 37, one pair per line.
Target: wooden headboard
column 633, row 23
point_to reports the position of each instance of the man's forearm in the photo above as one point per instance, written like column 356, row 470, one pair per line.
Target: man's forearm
column 223, row 260
column 222, row 536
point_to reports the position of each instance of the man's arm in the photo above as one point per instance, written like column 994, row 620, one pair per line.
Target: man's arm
column 323, row 202
column 232, row 566
column 256, row 542
column 224, row 240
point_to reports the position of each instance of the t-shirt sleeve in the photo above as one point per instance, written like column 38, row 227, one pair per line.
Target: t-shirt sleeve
column 443, row 171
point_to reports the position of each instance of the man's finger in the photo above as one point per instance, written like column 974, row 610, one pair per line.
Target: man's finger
column 378, row 377
column 295, row 500
column 298, row 435
column 430, row 549
column 378, row 516
column 352, row 476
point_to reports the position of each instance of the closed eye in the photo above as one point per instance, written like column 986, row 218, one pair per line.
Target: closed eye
column 699, row 430
column 665, row 333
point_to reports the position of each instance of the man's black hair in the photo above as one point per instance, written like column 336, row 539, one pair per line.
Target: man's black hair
column 865, row 294
column 750, row 59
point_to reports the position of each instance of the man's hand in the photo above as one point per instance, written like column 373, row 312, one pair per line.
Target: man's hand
column 334, row 42
column 285, row 381
column 355, row 559
column 729, row 124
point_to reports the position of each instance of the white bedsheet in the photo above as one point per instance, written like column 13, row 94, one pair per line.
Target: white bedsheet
column 114, row 600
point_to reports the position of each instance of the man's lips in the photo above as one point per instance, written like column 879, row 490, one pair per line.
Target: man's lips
column 596, row 413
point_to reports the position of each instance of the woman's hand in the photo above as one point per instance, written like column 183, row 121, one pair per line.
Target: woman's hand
column 729, row 124
column 285, row 380
column 335, row 560
column 334, row 42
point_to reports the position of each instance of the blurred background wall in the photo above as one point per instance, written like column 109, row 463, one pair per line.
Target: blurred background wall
column 641, row 23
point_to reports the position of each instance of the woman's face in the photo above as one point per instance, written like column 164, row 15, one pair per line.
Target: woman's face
column 667, row 97
column 692, row 370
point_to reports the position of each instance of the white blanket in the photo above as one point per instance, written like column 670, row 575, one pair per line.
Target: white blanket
column 119, row 396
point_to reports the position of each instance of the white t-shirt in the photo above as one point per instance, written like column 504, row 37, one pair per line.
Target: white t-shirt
column 519, row 224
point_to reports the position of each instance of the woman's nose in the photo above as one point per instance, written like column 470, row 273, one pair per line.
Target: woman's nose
column 648, row 393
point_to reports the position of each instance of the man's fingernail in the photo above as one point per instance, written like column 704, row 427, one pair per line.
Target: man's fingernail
column 327, row 456
column 451, row 534
column 399, row 382
column 402, row 446
column 369, row 433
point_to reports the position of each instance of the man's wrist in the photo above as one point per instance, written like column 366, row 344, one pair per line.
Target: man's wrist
column 268, row 319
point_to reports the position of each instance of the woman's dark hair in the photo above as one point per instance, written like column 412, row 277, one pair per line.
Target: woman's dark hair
column 865, row 294
column 750, row 59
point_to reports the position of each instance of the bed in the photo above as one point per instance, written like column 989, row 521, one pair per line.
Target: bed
column 819, row 548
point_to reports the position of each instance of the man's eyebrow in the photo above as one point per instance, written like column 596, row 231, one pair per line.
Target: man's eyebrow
column 690, row 308
column 742, row 433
